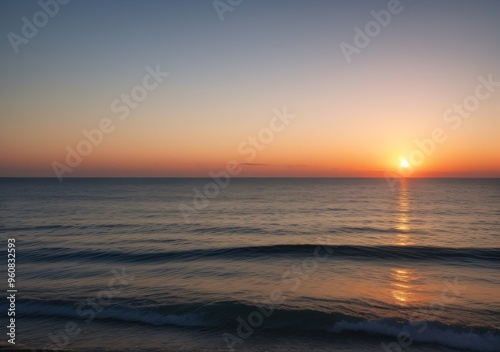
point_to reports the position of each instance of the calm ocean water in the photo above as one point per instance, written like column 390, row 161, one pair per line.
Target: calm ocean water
column 267, row 265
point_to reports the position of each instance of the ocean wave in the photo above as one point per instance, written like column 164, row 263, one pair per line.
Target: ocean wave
column 426, row 332
column 35, row 228
column 66, row 227
column 378, row 253
column 224, row 316
column 230, row 229
column 364, row 229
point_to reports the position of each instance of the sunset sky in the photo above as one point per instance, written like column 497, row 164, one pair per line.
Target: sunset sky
column 227, row 77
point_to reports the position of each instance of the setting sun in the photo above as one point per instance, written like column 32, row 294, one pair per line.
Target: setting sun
column 404, row 163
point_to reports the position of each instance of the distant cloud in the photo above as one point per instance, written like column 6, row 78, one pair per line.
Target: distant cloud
column 288, row 166
column 252, row 164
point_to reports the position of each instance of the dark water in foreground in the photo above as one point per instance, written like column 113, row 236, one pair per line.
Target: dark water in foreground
column 266, row 265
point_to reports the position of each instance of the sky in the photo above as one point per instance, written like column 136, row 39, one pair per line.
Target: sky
column 295, row 88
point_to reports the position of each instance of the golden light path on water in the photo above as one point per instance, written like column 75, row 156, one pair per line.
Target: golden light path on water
column 402, row 277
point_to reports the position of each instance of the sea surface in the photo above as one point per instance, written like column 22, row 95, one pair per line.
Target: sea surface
column 259, row 265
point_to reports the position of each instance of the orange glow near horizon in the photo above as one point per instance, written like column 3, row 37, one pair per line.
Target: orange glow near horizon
column 143, row 161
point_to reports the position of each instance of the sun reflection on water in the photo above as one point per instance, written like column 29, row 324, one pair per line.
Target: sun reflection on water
column 403, row 237
column 401, row 278
column 401, row 285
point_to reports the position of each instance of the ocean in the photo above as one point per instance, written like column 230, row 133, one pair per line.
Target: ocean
column 122, row 264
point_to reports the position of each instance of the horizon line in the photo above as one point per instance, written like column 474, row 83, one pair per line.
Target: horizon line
column 252, row 177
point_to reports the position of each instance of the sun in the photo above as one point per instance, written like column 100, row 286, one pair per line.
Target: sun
column 404, row 163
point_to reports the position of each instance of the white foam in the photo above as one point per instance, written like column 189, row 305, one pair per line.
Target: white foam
column 426, row 332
